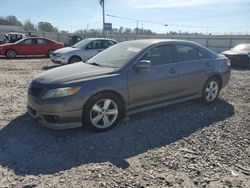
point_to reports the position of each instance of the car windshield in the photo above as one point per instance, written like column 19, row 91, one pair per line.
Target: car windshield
column 242, row 47
column 81, row 44
column 118, row 55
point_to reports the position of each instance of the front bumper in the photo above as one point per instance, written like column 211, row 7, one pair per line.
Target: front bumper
column 59, row 60
column 55, row 116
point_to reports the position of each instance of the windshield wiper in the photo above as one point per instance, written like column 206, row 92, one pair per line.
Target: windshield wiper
column 96, row 64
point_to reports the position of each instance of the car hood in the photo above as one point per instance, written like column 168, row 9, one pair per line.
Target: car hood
column 233, row 52
column 66, row 50
column 72, row 73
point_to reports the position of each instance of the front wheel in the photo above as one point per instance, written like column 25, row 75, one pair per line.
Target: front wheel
column 211, row 90
column 11, row 54
column 102, row 112
column 74, row 59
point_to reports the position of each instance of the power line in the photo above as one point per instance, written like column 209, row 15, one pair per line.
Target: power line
column 152, row 22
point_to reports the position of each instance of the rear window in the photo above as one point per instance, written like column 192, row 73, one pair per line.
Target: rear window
column 188, row 53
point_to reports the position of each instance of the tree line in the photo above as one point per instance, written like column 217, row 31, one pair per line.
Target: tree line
column 48, row 27
column 27, row 24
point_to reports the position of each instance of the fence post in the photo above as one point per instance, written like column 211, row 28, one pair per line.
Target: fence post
column 207, row 41
column 230, row 42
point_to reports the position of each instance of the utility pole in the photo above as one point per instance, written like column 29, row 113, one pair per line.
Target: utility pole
column 102, row 2
column 136, row 31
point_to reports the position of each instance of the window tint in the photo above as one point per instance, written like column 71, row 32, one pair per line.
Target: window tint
column 28, row 41
column 41, row 41
column 202, row 55
column 159, row 55
column 97, row 44
column 187, row 53
column 108, row 43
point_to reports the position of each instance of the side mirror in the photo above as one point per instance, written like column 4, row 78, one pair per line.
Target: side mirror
column 143, row 64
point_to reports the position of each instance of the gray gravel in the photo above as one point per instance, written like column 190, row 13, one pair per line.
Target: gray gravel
column 183, row 145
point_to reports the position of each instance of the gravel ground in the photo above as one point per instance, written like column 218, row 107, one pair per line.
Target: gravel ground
column 183, row 145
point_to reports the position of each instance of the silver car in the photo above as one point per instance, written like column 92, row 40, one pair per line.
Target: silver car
column 81, row 51
column 127, row 78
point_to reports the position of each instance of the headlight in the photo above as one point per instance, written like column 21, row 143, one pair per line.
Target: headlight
column 60, row 92
column 58, row 55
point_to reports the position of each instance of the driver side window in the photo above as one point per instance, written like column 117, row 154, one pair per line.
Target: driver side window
column 159, row 55
column 97, row 44
column 28, row 41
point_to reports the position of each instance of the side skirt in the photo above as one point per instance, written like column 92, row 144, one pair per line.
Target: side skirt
column 162, row 104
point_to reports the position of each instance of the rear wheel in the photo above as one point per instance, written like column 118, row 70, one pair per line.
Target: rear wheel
column 211, row 90
column 102, row 112
column 50, row 53
column 11, row 54
column 74, row 59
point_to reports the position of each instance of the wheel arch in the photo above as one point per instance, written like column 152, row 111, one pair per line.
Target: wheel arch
column 219, row 78
column 112, row 92
column 74, row 56
column 8, row 50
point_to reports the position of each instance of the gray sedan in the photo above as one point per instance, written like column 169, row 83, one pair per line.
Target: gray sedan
column 127, row 78
column 81, row 51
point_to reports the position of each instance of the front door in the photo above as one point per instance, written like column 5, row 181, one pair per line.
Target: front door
column 92, row 49
column 157, row 83
column 25, row 47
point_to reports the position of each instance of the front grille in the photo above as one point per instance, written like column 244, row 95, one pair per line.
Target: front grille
column 237, row 59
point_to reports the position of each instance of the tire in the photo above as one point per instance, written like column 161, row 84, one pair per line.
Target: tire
column 11, row 54
column 74, row 59
column 211, row 90
column 50, row 52
column 97, row 114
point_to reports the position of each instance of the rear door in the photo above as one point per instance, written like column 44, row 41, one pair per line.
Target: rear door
column 157, row 83
column 40, row 47
column 193, row 67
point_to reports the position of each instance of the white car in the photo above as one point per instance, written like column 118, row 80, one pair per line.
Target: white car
column 81, row 51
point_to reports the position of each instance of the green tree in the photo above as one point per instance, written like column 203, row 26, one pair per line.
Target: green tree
column 13, row 20
column 3, row 21
column 47, row 27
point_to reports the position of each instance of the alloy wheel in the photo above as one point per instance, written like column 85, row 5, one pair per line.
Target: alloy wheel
column 211, row 91
column 104, row 113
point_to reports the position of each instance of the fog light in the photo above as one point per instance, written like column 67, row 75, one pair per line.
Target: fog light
column 51, row 118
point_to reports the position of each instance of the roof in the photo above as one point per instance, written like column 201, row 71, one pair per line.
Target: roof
column 153, row 41
column 100, row 39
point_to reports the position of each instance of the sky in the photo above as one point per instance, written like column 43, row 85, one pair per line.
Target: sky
column 207, row 16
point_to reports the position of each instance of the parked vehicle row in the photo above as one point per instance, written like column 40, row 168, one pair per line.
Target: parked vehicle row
column 19, row 44
column 126, row 78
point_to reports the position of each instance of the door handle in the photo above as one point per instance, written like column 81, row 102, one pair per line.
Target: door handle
column 173, row 70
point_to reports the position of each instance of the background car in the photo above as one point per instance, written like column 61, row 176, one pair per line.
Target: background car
column 30, row 46
column 239, row 55
column 11, row 37
column 81, row 51
column 129, row 77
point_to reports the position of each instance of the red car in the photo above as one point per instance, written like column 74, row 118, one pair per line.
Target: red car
column 30, row 46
